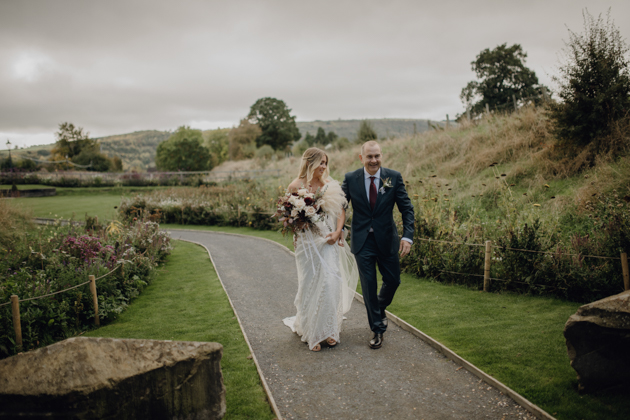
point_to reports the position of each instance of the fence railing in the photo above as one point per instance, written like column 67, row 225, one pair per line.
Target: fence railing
column 15, row 301
column 488, row 261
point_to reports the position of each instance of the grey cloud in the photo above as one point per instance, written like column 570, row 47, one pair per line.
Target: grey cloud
column 119, row 66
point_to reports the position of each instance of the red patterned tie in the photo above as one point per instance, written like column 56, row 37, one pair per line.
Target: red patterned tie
column 372, row 192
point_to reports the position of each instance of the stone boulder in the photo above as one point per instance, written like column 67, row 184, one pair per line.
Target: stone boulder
column 598, row 342
column 105, row 378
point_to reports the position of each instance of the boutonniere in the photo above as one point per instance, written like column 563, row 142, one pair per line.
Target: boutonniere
column 385, row 183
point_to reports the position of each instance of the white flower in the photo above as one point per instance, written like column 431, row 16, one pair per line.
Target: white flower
column 302, row 192
column 310, row 211
column 294, row 212
column 299, row 203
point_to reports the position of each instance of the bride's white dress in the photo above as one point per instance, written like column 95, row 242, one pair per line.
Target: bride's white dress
column 327, row 276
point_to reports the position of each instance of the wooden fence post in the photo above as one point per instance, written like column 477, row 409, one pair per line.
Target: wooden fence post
column 624, row 268
column 486, row 271
column 238, row 215
column 97, row 321
column 17, row 326
column 468, row 112
column 487, row 108
column 448, row 121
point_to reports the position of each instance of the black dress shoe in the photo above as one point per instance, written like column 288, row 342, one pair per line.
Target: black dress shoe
column 377, row 341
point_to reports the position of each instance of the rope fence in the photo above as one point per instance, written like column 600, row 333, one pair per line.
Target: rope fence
column 15, row 301
column 518, row 249
column 488, row 262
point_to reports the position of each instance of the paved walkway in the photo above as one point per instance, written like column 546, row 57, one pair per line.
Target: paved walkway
column 405, row 379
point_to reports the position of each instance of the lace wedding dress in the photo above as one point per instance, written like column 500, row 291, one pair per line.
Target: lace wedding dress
column 327, row 276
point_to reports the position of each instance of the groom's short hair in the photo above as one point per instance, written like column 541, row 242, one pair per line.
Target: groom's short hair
column 370, row 143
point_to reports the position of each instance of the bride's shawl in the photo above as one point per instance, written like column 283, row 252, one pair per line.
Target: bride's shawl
column 334, row 200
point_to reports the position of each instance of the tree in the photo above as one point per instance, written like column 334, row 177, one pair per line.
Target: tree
column 320, row 137
column 274, row 119
column 366, row 132
column 183, row 151
column 76, row 145
column 242, row 140
column 309, row 139
column 594, row 85
column 501, row 73
column 218, row 143
column 332, row 137
column 71, row 141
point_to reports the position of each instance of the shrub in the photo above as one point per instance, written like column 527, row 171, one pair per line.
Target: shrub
column 594, row 85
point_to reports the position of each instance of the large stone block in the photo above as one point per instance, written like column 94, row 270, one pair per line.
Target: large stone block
column 598, row 342
column 105, row 378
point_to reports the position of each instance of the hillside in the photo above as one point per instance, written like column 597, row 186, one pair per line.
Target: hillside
column 137, row 149
column 385, row 127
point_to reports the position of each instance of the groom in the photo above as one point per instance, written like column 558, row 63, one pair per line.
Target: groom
column 373, row 192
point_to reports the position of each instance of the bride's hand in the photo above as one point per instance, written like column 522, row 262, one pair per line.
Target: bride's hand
column 333, row 237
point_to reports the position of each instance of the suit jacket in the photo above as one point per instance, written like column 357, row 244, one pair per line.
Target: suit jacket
column 381, row 219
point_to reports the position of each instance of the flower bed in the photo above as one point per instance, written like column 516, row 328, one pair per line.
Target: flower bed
column 245, row 203
column 53, row 258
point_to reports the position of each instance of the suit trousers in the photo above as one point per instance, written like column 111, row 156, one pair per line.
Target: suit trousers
column 367, row 259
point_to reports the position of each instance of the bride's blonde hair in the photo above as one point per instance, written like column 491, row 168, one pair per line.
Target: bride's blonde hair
column 310, row 161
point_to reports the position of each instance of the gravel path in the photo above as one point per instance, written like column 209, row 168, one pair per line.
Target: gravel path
column 405, row 379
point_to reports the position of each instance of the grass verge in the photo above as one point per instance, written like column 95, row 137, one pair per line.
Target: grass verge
column 186, row 302
column 515, row 338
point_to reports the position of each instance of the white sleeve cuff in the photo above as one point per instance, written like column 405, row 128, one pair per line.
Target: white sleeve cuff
column 408, row 240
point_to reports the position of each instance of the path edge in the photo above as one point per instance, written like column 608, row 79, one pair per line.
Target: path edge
column 270, row 399
column 450, row 354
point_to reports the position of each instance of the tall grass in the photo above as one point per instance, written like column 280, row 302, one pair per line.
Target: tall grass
column 503, row 178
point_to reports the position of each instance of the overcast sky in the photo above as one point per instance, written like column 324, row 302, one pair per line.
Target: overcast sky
column 114, row 67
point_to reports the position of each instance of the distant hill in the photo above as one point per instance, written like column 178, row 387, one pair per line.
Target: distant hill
column 384, row 127
column 137, row 149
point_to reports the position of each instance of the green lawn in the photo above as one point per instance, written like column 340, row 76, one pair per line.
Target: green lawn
column 77, row 202
column 24, row 187
column 515, row 338
column 67, row 207
column 186, row 302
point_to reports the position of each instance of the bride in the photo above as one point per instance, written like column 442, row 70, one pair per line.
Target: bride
column 327, row 271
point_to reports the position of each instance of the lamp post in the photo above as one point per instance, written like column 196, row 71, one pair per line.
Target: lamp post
column 10, row 161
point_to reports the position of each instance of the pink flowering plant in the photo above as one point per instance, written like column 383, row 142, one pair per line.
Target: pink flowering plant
column 300, row 210
column 52, row 258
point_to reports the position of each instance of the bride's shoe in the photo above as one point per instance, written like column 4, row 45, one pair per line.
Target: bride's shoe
column 317, row 347
column 331, row 342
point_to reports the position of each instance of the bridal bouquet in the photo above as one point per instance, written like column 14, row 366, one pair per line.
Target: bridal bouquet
column 300, row 211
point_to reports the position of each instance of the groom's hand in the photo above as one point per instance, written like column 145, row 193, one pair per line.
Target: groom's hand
column 405, row 248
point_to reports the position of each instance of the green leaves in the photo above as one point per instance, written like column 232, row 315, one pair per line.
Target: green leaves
column 594, row 86
column 277, row 124
column 183, row 151
column 503, row 74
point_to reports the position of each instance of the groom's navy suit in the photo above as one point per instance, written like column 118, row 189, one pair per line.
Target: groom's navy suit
column 375, row 237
